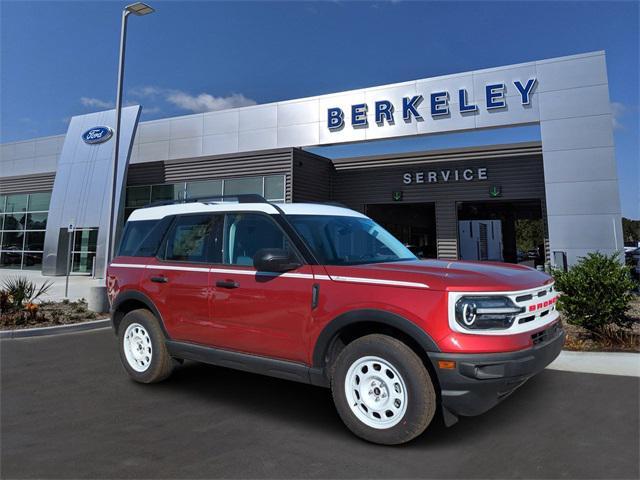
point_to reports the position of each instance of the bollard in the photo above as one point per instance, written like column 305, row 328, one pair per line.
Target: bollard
column 98, row 301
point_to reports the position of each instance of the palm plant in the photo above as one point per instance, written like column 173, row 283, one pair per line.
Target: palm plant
column 22, row 291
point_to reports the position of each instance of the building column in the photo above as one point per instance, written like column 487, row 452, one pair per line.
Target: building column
column 447, row 230
column 581, row 181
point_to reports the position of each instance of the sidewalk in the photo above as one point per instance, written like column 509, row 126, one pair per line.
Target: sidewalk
column 79, row 285
column 607, row 363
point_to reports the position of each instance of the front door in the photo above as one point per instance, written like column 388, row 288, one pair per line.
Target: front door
column 263, row 313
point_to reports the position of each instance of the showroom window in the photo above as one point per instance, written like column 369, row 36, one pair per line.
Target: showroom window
column 270, row 187
column 23, row 222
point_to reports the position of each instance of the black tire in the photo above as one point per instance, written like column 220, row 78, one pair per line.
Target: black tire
column 161, row 364
column 420, row 392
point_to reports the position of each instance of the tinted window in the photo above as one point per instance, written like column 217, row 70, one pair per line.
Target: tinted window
column 337, row 240
column 195, row 238
column 133, row 236
column 249, row 232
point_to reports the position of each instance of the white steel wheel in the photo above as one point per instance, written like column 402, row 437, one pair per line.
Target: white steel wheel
column 137, row 347
column 376, row 392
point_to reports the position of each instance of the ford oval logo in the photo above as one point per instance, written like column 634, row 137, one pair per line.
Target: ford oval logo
column 97, row 135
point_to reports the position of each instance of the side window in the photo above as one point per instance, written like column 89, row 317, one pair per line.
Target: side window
column 133, row 236
column 195, row 238
column 246, row 233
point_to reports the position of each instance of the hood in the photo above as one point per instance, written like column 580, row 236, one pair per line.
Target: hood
column 450, row 275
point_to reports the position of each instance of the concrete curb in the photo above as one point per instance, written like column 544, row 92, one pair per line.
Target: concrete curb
column 605, row 363
column 56, row 330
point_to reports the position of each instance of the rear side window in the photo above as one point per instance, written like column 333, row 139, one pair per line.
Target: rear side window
column 133, row 236
column 142, row 238
column 195, row 238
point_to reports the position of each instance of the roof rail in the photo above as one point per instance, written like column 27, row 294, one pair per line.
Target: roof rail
column 240, row 198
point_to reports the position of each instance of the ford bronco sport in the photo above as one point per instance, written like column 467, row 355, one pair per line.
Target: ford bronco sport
column 323, row 295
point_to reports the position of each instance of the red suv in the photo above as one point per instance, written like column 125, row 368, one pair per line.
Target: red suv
column 323, row 295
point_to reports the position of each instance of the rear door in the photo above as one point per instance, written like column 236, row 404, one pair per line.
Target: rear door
column 263, row 313
column 178, row 278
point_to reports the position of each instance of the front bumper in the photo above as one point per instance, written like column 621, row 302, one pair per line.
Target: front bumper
column 480, row 381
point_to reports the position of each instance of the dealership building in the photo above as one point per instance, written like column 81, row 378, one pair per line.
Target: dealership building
column 548, row 201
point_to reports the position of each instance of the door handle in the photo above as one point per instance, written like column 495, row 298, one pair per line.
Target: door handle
column 227, row 284
column 161, row 279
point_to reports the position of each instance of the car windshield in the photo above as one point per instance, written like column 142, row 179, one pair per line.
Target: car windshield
column 338, row 240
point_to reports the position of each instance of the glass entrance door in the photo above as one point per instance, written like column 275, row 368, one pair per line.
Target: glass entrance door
column 83, row 253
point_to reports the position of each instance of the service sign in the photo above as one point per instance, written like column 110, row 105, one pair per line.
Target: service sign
column 97, row 135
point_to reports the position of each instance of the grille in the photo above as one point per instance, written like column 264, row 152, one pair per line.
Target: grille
column 546, row 335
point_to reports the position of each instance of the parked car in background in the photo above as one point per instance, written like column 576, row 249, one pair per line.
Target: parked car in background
column 323, row 295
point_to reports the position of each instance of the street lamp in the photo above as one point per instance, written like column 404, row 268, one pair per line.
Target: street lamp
column 138, row 9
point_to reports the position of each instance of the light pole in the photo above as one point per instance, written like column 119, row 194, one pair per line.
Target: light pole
column 138, row 9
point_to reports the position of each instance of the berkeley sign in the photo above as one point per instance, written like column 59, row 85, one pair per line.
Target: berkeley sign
column 384, row 110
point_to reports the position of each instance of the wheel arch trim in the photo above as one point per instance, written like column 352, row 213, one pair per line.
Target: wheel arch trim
column 382, row 317
column 128, row 295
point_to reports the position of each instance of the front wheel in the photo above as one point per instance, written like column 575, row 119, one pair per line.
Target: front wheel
column 143, row 352
column 382, row 390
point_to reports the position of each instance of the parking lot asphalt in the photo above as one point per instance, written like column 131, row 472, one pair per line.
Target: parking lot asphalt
column 69, row 411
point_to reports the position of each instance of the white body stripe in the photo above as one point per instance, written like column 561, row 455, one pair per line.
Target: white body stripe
column 305, row 276
column 379, row 281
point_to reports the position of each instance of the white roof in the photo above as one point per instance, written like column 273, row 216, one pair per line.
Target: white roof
column 155, row 213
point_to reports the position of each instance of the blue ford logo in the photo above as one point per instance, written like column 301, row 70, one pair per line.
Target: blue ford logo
column 97, row 135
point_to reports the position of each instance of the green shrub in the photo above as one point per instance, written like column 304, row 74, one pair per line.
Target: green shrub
column 596, row 292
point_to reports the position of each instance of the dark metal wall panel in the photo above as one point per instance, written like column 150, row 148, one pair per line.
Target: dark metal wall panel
column 312, row 177
column 42, row 182
column 146, row 173
column 418, row 158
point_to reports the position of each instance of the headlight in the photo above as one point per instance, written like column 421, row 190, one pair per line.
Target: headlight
column 485, row 313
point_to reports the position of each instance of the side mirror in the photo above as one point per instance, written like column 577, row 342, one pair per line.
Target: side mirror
column 274, row 260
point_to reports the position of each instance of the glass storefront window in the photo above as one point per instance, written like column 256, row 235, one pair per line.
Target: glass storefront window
column 271, row 187
column 14, row 221
column 32, row 261
column 211, row 188
column 240, row 186
column 166, row 192
column 22, row 229
column 12, row 240
column 274, row 187
column 37, row 221
column 16, row 203
column 10, row 259
column 34, row 241
column 39, row 202
column 138, row 196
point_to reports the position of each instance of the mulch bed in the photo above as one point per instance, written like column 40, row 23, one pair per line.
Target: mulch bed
column 50, row 314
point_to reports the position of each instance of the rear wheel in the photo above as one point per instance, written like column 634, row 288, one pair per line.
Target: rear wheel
column 143, row 352
column 382, row 390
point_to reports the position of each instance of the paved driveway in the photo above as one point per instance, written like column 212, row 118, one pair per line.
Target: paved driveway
column 68, row 410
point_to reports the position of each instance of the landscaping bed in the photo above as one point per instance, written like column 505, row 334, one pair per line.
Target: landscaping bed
column 22, row 306
column 49, row 314
column 612, row 339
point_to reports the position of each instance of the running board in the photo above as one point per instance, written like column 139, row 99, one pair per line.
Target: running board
column 248, row 363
